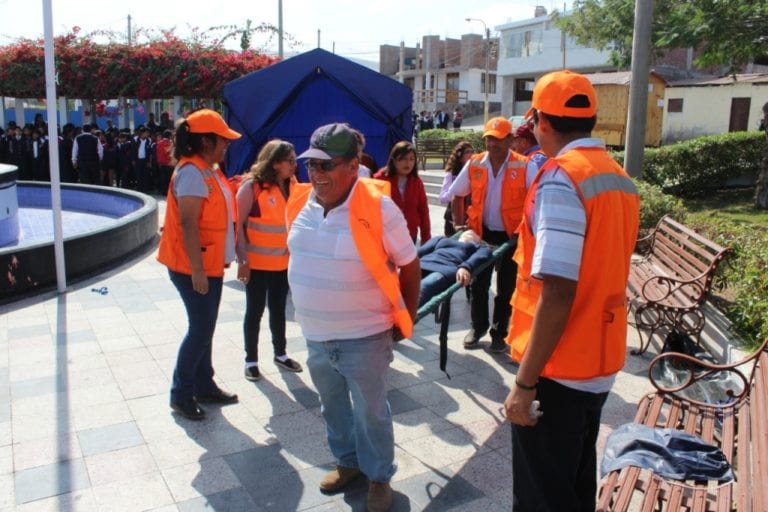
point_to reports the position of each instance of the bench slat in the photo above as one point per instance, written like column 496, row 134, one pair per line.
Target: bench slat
column 688, row 266
column 759, row 410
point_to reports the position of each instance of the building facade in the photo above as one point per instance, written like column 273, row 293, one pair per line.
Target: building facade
column 446, row 74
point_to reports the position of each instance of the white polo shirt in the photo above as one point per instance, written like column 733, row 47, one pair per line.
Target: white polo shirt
column 334, row 295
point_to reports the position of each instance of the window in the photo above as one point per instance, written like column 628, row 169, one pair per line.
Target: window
column 524, row 89
column 526, row 43
column 492, row 88
column 675, row 105
column 452, row 81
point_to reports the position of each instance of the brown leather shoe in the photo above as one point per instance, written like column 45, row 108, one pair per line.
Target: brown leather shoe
column 338, row 478
column 379, row 497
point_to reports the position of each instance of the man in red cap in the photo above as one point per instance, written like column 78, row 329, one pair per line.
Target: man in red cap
column 496, row 182
column 569, row 322
column 525, row 143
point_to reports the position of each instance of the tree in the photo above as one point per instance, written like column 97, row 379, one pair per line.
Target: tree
column 725, row 32
column 161, row 67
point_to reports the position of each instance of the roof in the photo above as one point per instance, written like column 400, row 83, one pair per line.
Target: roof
column 753, row 78
column 616, row 78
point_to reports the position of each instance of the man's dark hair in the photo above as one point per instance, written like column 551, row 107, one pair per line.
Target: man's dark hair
column 87, row 127
column 573, row 124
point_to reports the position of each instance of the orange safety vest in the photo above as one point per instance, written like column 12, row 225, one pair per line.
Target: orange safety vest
column 593, row 343
column 212, row 225
column 367, row 232
column 512, row 192
column 267, row 245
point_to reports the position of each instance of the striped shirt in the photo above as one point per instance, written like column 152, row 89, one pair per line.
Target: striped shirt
column 334, row 295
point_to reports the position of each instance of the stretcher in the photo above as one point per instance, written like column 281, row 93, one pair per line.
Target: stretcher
column 440, row 304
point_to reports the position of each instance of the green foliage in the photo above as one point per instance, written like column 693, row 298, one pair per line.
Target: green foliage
column 654, row 204
column 697, row 166
column 474, row 137
column 745, row 271
column 726, row 32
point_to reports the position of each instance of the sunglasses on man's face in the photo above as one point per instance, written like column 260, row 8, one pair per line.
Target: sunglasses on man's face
column 322, row 165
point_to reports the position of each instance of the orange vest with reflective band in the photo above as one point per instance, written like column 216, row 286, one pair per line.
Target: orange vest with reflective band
column 267, row 245
column 593, row 343
column 212, row 224
column 512, row 192
column 367, row 232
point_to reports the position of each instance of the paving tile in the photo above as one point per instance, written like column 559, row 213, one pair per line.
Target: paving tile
column 203, row 478
column 6, row 433
column 45, row 451
column 109, row 438
column 436, row 491
column 6, row 491
column 140, row 493
column 6, row 460
column 28, row 331
column 444, row 448
column 76, row 501
column 120, row 464
column 399, row 402
column 50, row 480
column 231, row 500
column 418, row 423
column 101, row 415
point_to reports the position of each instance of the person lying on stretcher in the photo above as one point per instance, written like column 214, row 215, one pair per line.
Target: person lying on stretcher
column 445, row 260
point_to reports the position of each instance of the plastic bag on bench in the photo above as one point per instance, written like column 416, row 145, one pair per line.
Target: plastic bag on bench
column 667, row 452
column 715, row 388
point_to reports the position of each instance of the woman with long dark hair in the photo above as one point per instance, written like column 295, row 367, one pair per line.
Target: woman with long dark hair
column 407, row 189
column 459, row 157
column 197, row 243
column 262, row 250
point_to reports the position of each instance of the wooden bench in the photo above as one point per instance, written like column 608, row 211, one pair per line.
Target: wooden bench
column 670, row 279
column 434, row 148
column 738, row 428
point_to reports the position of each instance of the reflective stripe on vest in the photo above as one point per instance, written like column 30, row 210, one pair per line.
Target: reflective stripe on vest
column 267, row 244
column 593, row 343
column 212, row 225
column 512, row 192
column 365, row 224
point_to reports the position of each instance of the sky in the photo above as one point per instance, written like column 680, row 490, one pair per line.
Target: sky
column 353, row 28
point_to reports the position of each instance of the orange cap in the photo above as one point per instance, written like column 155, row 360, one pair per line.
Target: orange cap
column 554, row 90
column 498, row 127
column 208, row 121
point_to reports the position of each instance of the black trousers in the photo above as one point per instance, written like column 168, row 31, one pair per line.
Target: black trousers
column 506, row 275
column 265, row 288
column 554, row 464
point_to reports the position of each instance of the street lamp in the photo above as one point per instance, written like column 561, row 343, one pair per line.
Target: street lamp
column 487, row 65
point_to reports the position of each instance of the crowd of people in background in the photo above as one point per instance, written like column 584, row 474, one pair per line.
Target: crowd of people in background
column 439, row 119
column 138, row 159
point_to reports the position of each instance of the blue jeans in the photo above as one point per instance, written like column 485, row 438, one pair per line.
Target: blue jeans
column 194, row 369
column 350, row 376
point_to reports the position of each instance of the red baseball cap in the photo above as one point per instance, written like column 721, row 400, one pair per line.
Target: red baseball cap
column 525, row 131
column 209, row 121
column 553, row 91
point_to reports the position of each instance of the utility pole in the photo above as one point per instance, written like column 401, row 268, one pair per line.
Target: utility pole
column 280, row 29
column 130, row 41
column 487, row 66
column 318, row 38
column 638, row 88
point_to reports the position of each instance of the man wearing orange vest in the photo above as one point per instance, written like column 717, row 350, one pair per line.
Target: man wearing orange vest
column 569, row 321
column 354, row 278
column 496, row 183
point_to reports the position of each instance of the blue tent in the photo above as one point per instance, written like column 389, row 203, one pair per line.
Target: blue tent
column 291, row 98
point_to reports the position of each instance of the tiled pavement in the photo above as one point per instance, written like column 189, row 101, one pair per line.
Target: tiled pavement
column 85, row 423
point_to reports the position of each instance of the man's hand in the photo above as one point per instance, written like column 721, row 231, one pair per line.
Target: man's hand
column 463, row 277
column 243, row 272
column 517, row 406
column 200, row 282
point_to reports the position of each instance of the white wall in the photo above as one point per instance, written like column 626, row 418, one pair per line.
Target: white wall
column 707, row 109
